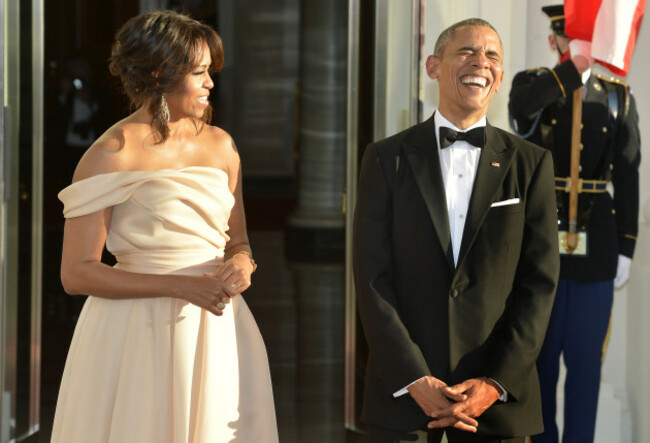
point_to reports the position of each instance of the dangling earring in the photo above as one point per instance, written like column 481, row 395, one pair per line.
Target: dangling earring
column 164, row 109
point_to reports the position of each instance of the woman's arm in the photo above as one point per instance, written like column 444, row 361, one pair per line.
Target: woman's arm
column 239, row 264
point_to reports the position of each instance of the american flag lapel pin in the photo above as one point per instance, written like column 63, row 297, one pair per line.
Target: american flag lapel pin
column 495, row 164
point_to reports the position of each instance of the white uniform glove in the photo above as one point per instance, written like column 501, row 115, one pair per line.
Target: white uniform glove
column 581, row 47
column 622, row 271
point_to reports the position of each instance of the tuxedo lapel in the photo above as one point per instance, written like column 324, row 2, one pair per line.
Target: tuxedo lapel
column 493, row 166
column 422, row 156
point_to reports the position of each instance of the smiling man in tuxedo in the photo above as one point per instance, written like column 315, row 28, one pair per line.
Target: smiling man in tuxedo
column 455, row 261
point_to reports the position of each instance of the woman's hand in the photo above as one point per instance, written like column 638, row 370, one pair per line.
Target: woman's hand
column 235, row 273
column 205, row 292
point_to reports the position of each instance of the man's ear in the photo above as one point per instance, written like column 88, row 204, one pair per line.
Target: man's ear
column 551, row 42
column 432, row 66
column 498, row 84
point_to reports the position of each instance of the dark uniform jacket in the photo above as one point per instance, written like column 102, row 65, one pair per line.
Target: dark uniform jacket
column 541, row 105
column 423, row 315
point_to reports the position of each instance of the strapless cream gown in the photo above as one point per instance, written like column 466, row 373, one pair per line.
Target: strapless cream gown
column 162, row 370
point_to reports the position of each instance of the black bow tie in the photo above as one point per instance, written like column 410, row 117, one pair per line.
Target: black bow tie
column 475, row 137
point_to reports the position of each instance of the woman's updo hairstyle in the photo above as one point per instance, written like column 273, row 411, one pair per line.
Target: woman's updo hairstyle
column 152, row 54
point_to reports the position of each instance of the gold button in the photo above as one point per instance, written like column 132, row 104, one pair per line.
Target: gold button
column 554, row 122
column 582, row 146
column 580, row 168
column 613, row 211
column 604, row 129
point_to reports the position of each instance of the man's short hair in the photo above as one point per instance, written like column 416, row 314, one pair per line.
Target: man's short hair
column 445, row 37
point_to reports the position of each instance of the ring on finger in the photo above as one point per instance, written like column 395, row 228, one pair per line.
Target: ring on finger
column 234, row 286
column 220, row 305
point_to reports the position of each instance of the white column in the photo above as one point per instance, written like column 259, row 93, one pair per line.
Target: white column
column 638, row 331
column 636, row 375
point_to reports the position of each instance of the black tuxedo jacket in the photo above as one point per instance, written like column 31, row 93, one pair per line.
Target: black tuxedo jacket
column 422, row 315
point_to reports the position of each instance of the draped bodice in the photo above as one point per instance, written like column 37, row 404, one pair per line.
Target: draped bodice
column 164, row 220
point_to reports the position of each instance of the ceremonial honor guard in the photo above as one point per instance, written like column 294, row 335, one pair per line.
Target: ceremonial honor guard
column 590, row 124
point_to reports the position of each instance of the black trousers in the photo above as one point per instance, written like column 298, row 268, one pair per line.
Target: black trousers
column 382, row 435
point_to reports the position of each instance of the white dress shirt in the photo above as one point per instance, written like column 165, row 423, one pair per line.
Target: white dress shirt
column 458, row 163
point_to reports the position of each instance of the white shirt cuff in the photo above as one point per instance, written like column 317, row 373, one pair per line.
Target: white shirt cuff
column 581, row 47
column 503, row 397
column 404, row 390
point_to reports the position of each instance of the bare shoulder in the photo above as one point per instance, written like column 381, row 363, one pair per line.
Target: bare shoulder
column 112, row 151
column 222, row 147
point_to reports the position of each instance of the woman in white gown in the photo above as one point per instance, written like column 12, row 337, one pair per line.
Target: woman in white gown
column 165, row 349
